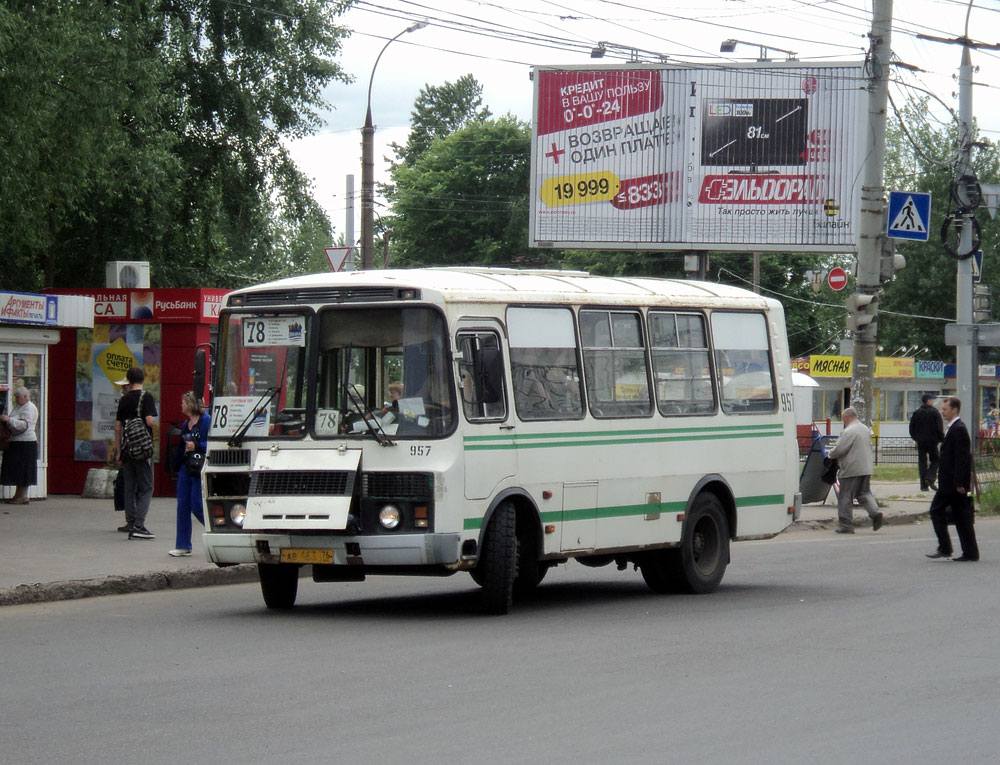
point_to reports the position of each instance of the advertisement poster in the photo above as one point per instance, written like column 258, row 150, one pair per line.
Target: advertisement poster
column 759, row 157
column 103, row 356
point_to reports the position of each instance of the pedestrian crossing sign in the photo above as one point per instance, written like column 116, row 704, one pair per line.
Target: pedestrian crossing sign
column 909, row 215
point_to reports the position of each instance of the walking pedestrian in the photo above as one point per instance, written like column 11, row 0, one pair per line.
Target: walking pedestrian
column 194, row 440
column 853, row 451
column 20, row 461
column 955, row 483
column 927, row 430
column 138, row 471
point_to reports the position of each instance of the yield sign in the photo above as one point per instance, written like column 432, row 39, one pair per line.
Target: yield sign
column 837, row 278
column 338, row 257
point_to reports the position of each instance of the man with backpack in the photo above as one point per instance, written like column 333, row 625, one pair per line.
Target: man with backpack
column 134, row 447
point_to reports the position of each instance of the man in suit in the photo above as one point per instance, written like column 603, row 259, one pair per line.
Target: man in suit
column 927, row 431
column 954, row 485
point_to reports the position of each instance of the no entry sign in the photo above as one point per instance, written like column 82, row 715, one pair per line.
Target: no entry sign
column 837, row 279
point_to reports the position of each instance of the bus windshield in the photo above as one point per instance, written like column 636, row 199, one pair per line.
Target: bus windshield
column 261, row 379
column 389, row 364
column 376, row 370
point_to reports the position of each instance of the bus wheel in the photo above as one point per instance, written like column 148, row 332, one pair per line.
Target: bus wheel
column 530, row 573
column 498, row 561
column 279, row 584
column 699, row 563
column 704, row 551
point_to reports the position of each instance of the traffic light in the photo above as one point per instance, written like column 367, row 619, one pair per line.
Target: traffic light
column 862, row 310
column 889, row 261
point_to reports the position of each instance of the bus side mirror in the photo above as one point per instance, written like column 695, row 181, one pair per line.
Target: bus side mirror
column 488, row 367
column 198, row 383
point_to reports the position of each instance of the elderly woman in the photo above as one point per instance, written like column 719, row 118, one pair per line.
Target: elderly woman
column 20, row 461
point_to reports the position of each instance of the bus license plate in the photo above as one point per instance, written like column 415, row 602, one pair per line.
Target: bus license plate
column 306, row 555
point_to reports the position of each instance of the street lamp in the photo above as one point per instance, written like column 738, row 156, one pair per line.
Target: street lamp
column 728, row 46
column 603, row 46
column 368, row 165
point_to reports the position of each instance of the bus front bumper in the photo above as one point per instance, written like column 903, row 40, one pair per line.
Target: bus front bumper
column 369, row 551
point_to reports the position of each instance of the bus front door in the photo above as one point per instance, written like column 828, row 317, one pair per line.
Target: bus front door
column 487, row 427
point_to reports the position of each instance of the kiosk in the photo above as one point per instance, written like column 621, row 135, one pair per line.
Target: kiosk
column 157, row 329
column 30, row 325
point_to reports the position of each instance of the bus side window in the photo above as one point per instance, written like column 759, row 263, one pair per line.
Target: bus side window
column 544, row 363
column 681, row 366
column 480, row 374
column 743, row 362
column 614, row 362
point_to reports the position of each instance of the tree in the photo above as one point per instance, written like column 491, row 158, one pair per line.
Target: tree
column 465, row 199
column 915, row 161
column 439, row 111
column 153, row 132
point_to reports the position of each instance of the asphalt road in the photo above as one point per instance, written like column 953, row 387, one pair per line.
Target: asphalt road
column 817, row 648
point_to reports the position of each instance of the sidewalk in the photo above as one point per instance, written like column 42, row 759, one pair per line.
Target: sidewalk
column 899, row 503
column 66, row 547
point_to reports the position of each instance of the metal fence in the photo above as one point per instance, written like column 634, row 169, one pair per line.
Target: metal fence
column 988, row 462
column 903, row 451
column 894, row 450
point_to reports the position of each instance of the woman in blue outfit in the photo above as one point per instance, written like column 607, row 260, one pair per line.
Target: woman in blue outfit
column 194, row 438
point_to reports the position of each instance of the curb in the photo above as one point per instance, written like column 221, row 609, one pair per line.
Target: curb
column 825, row 524
column 74, row 589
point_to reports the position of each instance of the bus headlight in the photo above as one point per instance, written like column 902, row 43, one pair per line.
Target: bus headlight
column 389, row 516
column 237, row 513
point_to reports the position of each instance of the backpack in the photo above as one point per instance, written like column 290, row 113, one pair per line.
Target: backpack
column 137, row 440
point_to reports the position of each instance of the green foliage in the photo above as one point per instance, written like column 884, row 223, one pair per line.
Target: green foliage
column 439, row 111
column 465, row 199
column 988, row 501
column 152, row 131
column 926, row 287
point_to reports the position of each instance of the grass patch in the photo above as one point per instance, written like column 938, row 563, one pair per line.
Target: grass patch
column 896, row 473
column 988, row 501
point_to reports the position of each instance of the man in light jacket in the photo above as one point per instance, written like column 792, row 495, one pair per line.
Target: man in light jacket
column 853, row 452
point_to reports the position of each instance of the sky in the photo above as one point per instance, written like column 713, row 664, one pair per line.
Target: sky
column 498, row 43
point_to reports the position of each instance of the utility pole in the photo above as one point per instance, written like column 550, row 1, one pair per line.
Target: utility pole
column 863, row 307
column 349, row 222
column 966, row 356
column 368, row 165
column 968, row 195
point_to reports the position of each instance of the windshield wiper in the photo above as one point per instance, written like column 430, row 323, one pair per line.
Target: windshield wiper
column 369, row 418
column 258, row 409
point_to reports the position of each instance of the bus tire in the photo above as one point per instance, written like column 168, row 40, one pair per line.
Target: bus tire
column 699, row 563
column 704, row 552
column 530, row 573
column 499, row 561
column 279, row 584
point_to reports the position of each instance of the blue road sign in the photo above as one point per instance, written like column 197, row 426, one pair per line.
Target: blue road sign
column 909, row 215
column 977, row 266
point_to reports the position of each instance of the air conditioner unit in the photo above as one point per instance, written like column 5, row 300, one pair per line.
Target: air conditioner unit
column 126, row 274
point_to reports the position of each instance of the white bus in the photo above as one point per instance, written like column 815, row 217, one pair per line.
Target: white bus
column 498, row 422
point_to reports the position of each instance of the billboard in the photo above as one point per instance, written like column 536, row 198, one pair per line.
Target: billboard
column 759, row 157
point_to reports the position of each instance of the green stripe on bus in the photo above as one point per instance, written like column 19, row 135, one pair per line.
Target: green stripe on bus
column 608, row 439
column 634, row 432
column 625, row 511
column 761, row 500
